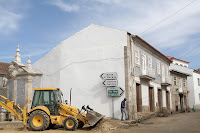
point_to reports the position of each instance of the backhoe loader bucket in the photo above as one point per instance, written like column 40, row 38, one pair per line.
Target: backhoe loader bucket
column 93, row 117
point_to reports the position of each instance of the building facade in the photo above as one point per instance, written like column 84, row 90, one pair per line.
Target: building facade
column 78, row 62
column 151, row 76
column 193, row 81
column 3, row 83
column 194, row 93
column 3, row 80
column 179, row 90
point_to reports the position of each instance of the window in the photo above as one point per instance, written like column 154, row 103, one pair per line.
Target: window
column 175, row 83
column 199, row 96
column 150, row 62
column 137, row 57
column 180, row 82
column 143, row 62
column 167, row 71
column 158, row 67
column 184, row 84
column 198, row 81
column 163, row 71
column 46, row 97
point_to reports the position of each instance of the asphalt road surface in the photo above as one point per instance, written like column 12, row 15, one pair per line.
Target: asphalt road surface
column 177, row 123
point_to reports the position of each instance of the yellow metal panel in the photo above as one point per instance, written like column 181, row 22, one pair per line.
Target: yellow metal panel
column 43, row 108
column 66, row 110
column 48, row 88
column 10, row 107
column 57, row 119
column 24, row 116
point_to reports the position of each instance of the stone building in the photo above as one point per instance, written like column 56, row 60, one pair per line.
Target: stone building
column 20, row 81
column 3, row 80
column 193, row 81
column 78, row 62
column 152, row 77
column 180, row 100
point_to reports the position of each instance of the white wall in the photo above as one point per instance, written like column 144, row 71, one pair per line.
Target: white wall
column 196, row 90
column 170, row 96
column 79, row 61
column 145, row 93
column 164, row 97
column 180, row 63
column 155, row 86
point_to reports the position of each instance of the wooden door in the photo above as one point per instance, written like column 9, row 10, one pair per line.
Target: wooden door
column 160, row 99
column 151, row 98
column 138, row 96
column 167, row 99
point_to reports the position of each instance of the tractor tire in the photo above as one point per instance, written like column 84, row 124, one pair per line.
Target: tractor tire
column 80, row 124
column 70, row 123
column 51, row 126
column 38, row 120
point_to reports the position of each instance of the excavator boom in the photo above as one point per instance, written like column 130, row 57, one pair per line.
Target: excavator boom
column 14, row 109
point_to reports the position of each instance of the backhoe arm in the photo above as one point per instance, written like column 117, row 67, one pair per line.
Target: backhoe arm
column 14, row 109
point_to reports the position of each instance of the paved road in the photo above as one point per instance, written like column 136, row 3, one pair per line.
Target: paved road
column 177, row 123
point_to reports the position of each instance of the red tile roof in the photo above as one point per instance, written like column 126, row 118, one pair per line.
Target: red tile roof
column 198, row 70
column 4, row 67
column 169, row 57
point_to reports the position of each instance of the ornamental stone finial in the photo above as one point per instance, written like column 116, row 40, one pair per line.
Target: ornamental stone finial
column 28, row 65
column 18, row 56
column 29, row 60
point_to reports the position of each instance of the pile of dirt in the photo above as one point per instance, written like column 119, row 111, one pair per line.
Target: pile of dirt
column 107, row 125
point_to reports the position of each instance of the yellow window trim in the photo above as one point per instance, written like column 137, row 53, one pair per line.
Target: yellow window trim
column 48, row 88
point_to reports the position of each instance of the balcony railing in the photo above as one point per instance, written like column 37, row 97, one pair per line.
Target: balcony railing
column 166, row 80
column 149, row 73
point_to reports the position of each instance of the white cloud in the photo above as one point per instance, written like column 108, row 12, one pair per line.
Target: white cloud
column 65, row 6
column 138, row 16
column 9, row 19
column 109, row 1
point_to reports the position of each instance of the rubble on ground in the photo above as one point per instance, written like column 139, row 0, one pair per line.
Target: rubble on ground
column 107, row 125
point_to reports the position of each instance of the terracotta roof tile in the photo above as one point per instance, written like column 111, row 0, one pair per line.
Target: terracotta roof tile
column 4, row 67
column 169, row 57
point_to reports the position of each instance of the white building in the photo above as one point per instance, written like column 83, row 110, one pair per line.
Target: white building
column 194, row 94
column 78, row 62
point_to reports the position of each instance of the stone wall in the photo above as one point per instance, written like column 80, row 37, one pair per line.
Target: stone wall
column 20, row 92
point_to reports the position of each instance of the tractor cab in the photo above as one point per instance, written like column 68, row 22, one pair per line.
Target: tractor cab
column 49, row 97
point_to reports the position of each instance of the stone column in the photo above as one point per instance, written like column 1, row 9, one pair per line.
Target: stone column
column 134, row 102
column 14, row 90
column 28, row 92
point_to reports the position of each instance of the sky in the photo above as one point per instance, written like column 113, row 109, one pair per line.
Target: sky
column 171, row 26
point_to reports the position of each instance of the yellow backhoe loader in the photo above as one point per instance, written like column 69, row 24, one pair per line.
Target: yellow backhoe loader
column 48, row 110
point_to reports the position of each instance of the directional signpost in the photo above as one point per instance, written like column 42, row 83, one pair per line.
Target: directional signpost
column 109, row 83
column 115, row 91
column 111, row 75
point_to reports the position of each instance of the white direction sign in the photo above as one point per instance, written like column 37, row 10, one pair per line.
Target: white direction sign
column 110, row 75
column 115, row 91
column 109, row 83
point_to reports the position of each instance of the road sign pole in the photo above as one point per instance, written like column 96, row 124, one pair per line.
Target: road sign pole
column 113, row 115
